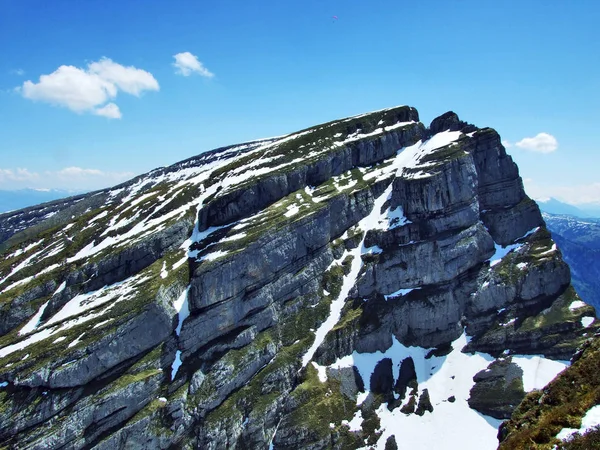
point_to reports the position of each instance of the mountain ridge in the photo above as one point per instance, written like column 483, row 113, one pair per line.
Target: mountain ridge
column 272, row 293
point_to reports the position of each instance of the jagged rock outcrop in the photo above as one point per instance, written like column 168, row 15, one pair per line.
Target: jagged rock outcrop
column 498, row 389
column 296, row 292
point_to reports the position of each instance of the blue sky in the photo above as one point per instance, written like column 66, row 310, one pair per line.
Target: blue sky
column 272, row 67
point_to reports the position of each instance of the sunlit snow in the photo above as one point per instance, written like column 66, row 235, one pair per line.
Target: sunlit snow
column 349, row 280
column 590, row 420
column 443, row 377
column 576, row 305
column 34, row 321
column 538, row 371
column 587, row 321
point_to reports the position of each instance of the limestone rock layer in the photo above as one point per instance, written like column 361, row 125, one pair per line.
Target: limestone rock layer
column 305, row 291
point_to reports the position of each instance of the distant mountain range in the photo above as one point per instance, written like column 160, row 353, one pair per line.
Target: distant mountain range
column 22, row 198
column 579, row 242
column 576, row 230
column 554, row 206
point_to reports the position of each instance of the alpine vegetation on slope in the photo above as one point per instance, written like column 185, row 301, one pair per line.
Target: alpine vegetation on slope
column 368, row 282
column 563, row 415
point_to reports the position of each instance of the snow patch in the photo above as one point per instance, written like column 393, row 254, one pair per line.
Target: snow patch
column 176, row 364
column 590, row 420
column 76, row 341
column 60, row 288
column 214, row 255
column 375, row 250
column 180, row 263
column 292, row 210
column 538, row 371
column 501, row 252
column 34, row 321
column 83, row 302
column 182, row 307
column 587, row 321
column 235, row 237
column 355, row 423
column 443, row 377
column 399, row 293
column 322, row 371
column 576, row 305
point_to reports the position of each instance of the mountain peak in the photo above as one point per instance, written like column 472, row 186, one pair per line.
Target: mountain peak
column 348, row 284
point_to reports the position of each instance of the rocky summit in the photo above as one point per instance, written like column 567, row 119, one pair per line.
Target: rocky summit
column 370, row 282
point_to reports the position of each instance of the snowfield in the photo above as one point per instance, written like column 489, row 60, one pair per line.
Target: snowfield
column 451, row 425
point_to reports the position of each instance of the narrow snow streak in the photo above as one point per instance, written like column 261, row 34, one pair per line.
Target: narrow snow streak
column 60, row 288
column 501, row 251
column 176, row 364
column 183, row 309
column 407, row 157
column 83, row 302
column 34, row 321
column 335, row 309
column 399, row 293
column 21, row 265
column 76, row 341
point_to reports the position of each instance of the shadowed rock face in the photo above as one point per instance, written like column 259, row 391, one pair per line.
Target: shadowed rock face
column 180, row 309
column 498, row 389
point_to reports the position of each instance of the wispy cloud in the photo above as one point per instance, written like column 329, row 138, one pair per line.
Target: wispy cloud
column 187, row 64
column 507, row 144
column 19, row 72
column 17, row 175
column 72, row 177
column 541, row 143
column 574, row 194
column 90, row 89
column 110, row 110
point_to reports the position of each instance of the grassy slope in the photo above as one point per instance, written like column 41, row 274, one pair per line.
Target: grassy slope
column 561, row 404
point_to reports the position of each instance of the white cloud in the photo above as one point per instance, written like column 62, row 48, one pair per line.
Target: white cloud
column 71, row 87
column 572, row 194
column 186, row 64
column 89, row 90
column 19, row 72
column 110, row 110
column 17, row 175
column 507, row 144
column 74, row 178
column 128, row 79
column 78, row 172
column 541, row 143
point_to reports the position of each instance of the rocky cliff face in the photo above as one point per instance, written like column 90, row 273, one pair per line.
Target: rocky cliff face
column 366, row 282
